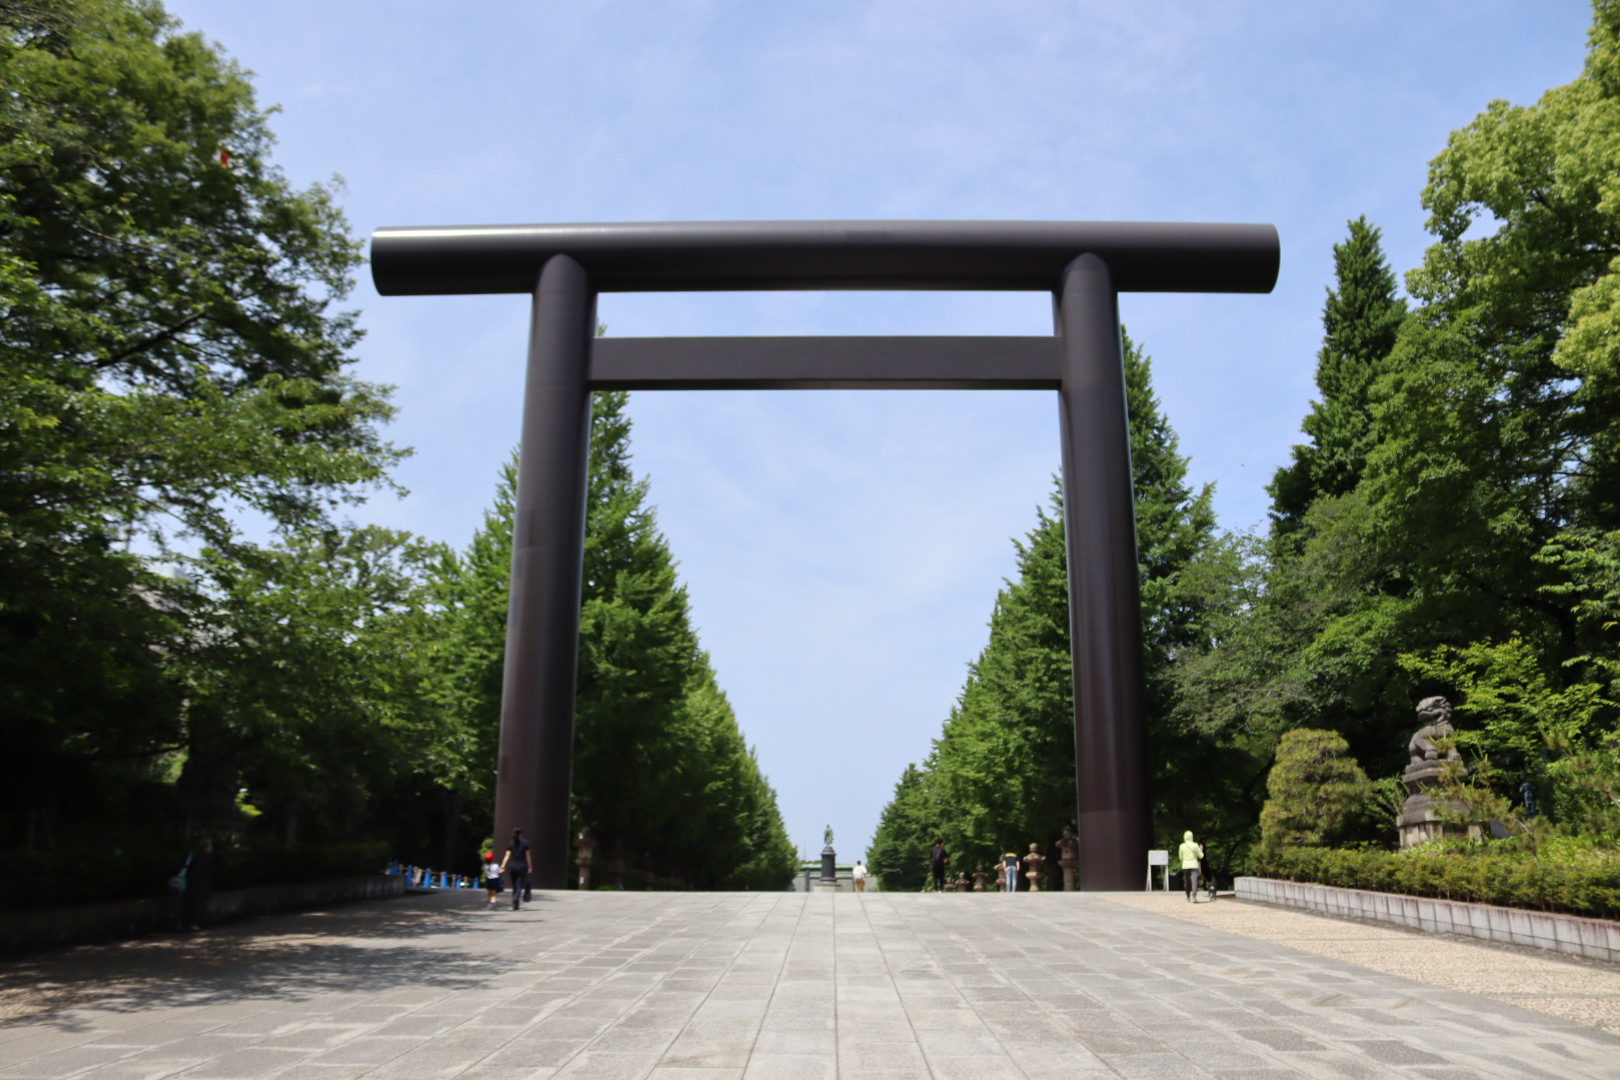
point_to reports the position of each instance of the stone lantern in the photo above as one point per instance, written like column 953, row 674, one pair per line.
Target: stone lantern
column 979, row 875
column 1068, row 857
column 1032, row 867
column 585, row 845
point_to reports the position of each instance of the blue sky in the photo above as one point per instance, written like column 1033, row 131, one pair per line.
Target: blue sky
column 843, row 549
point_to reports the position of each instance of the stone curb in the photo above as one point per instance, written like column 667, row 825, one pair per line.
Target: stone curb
column 1596, row 939
column 53, row 927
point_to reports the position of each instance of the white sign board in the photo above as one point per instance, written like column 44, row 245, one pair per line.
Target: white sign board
column 1158, row 858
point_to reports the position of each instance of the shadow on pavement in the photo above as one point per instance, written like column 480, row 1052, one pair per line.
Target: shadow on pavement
column 288, row 956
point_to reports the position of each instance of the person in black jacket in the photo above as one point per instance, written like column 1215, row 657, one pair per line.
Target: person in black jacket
column 518, row 863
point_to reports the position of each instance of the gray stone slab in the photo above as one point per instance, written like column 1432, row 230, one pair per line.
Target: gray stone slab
column 246, row 1064
column 694, row 1053
column 530, row 1052
column 791, row 1067
column 314, row 1037
column 608, row 1065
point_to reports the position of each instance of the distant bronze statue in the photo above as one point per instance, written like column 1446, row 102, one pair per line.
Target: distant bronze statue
column 1032, row 867
column 1435, row 714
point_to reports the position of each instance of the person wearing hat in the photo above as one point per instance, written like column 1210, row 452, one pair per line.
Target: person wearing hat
column 518, row 864
column 492, row 879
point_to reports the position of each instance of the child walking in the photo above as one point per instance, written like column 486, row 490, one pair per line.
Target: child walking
column 492, row 880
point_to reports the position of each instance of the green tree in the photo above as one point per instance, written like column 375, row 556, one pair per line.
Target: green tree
column 662, row 774
column 307, row 682
column 1001, row 774
column 1359, row 322
column 1511, row 707
column 1314, row 792
column 172, row 357
column 1456, row 506
column 1501, row 406
column 905, row 832
column 1292, row 637
column 1495, row 478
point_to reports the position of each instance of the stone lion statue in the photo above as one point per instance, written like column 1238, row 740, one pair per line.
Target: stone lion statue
column 1435, row 715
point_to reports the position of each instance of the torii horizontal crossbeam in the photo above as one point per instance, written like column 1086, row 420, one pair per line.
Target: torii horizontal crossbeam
column 749, row 255
column 825, row 363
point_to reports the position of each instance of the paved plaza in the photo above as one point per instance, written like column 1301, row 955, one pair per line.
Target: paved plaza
column 784, row 986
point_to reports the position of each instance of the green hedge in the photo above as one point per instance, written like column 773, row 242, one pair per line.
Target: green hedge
column 1578, row 883
column 91, row 874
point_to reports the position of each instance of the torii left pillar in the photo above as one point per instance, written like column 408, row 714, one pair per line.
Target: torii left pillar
column 548, row 548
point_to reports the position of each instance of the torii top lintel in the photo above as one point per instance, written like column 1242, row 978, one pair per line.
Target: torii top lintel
column 782, row 255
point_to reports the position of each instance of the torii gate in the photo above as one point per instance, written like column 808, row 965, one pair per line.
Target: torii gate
column 1085, row 265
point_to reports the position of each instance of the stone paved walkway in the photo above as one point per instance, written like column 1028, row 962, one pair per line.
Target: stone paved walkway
column 763, row 987
column 1586, row 991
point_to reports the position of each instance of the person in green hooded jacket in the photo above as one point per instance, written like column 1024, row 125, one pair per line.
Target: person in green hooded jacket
column 1192, row 853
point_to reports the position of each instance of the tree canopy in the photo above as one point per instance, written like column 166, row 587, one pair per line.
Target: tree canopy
column 193, row 635
column 174, row 358
column 1002, row 772
column 1449, row 526
column 662, row 774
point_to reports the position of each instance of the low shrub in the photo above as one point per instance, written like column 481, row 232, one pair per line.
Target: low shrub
column 1577, row 881
column 90, row 874
column 256, row 862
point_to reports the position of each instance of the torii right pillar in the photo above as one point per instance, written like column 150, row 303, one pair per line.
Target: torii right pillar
column 1105, row 606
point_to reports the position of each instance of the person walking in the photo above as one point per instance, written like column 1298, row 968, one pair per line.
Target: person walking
column 1191, row 855
column 199, row 871
column 518, row 864
column 492, row 879
column 937, row 858
column 859, row 874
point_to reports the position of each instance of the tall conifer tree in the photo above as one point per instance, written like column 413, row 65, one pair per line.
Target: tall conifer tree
column 1001, row 774
column 1360, row 321
column 661, row 771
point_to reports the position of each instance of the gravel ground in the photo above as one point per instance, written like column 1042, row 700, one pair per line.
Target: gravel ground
column 1583, row 991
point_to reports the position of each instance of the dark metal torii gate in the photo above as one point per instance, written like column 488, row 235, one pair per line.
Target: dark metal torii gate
column 1084, row 264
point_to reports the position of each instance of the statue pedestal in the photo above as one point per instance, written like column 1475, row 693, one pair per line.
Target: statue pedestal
column 1423, row 818
column 829, row 871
